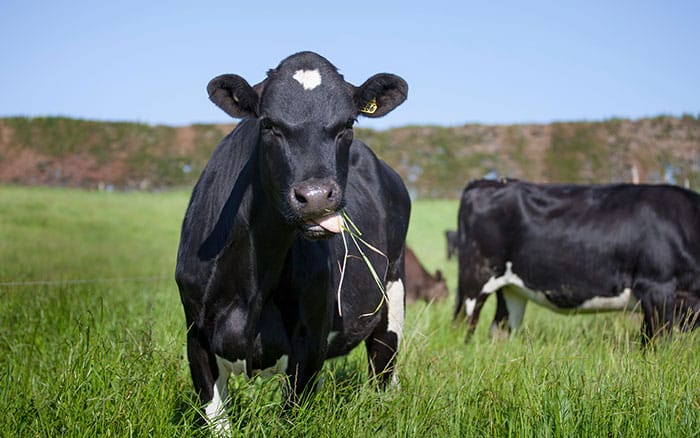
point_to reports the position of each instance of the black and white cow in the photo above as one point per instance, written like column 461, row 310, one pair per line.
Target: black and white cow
column 261, row 249
column 579, row 248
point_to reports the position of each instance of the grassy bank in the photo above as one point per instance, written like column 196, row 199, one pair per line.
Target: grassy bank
column 93, row 345
column 434, row 161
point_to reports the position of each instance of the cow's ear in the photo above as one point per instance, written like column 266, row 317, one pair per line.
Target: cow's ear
column 234, row 95
column 438, row 275
column 380, row 94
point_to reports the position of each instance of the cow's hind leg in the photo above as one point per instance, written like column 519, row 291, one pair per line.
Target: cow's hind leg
column 383, row 344
column 473, row 308
column 658, row 302
column 687, row 311
column 500, row 327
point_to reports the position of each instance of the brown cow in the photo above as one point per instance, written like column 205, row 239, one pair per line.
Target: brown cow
column 420, row 285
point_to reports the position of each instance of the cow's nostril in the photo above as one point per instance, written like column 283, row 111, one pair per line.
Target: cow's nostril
column 301, row 199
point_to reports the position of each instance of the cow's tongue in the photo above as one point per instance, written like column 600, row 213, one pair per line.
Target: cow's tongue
column 332, row 222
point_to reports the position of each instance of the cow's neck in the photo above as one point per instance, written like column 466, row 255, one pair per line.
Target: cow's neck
column 271, row 238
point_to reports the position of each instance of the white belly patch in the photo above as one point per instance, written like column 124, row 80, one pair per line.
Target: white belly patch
column 624, row 301
column 238, row 367
column 515, row 285
column 507, row 279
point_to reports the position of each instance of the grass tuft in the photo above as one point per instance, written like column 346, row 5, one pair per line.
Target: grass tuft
column 355, row 234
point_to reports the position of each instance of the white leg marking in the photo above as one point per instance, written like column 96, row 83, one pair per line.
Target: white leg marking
column 516, row 308
column 395, row 380
column 309, row 79
column 395, row 310
column 215, row 410
column 469, row 305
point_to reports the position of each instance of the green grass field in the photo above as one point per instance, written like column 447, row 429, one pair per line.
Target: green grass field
column 92, row 344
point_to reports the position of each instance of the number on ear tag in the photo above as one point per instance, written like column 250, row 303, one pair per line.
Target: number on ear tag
column 370, row 107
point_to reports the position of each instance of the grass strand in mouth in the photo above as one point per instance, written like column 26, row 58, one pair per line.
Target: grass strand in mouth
column 349, row 227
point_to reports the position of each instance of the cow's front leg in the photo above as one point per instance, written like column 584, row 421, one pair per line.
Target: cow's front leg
column 383, row 344
column 306, row 360
column 306, row 305
column 215, row 409
column 210, row 381
column 230, row 341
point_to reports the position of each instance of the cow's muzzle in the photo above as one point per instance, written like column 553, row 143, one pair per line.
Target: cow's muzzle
column 317, row 202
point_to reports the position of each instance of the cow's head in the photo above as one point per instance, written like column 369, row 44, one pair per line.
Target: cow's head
column 437, row 287
column 306, row 112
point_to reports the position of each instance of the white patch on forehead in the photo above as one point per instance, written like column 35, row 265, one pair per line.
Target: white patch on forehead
column 395, row 310
column 309, row 79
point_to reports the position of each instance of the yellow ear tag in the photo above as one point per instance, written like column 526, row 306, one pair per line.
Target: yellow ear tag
column 370, row 107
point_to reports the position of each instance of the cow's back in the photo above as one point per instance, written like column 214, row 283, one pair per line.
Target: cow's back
column 609, row 234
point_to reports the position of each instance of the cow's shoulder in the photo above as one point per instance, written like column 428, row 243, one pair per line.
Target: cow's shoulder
column 219, row 192
column 374, row 177
column 490, row 198
column 226, row 163
column 377, row 199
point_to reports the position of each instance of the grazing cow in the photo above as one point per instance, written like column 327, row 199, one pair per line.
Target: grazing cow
column 420, row 285
column 577, row 248
column 452, row 243
column 261, row 248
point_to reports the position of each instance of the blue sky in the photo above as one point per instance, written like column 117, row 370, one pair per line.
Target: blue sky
column 466, row 62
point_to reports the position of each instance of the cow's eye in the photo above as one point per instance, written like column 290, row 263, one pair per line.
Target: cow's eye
column 350, row 123
column 270, row 127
